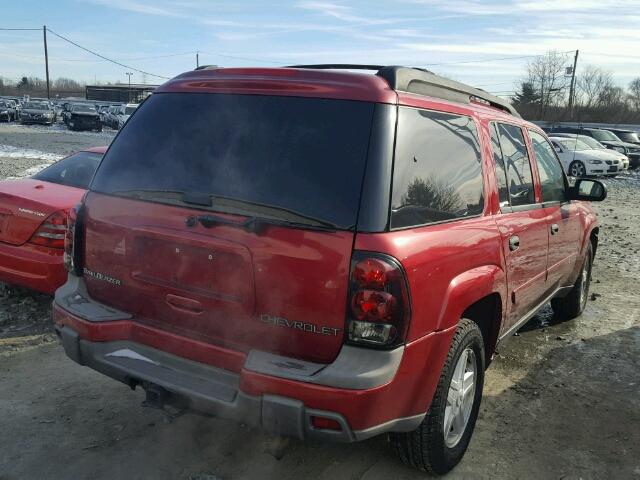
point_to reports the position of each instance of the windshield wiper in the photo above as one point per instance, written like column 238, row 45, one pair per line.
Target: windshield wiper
column 258, row 214
column 253, row 224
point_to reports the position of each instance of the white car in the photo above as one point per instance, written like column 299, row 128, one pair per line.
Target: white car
column 596, row 145
column 580, row 160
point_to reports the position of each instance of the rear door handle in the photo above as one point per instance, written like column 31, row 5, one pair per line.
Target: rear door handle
column 514, row 243
column 554, row 229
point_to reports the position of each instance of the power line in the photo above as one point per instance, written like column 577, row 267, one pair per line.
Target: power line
column 235, row 57
column 105, row 58
column 20, row 29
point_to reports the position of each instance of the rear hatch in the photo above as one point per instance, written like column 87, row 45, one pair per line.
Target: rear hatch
column 235, row 225
column 25, row 204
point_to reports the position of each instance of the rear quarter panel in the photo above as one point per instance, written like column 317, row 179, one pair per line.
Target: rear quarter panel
column 449, row 267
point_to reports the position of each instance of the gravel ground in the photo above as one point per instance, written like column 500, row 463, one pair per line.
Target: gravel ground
column 561, row 400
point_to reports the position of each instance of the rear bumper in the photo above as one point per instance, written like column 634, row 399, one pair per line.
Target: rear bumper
column 366, row 392
column 33, row 267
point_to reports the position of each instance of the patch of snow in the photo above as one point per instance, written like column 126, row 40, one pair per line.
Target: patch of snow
column 9, row 151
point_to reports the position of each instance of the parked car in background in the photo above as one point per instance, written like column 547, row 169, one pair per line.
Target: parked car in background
column 628, row 136
column 580, row 160
column 33, row 218
column 109, row 116
column 332, row 257
column 596, row 145
column 8, row 111
column 123, row 113
column 608, row 139
column 83, row 117
column 36, row 112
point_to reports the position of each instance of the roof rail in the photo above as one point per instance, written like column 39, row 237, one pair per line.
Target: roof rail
column 338, row 66
column 424, row 82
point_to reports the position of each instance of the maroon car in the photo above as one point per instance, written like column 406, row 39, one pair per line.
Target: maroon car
column 324, row 254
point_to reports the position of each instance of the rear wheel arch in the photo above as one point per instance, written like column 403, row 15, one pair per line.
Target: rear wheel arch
column 487, row 314
column 468, row 288
column 593, row 238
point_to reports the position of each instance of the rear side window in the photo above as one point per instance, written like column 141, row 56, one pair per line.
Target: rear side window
column 437, row 171
column 516, row 160
column 74, row 171
column 549, row 169
column 501, row 172
column 302, row 157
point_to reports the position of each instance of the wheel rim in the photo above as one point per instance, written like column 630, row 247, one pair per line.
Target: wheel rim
column 584, row 287
column 577, row 169
column 460, row 398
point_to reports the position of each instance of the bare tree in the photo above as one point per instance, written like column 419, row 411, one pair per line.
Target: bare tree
column 592, row 82
column 63, row 83
column 634, row 93
column 546, row 73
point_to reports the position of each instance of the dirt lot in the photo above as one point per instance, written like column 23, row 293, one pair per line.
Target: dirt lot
column 561, row 400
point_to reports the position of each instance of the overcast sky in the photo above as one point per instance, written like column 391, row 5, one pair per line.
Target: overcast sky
column 464, row 39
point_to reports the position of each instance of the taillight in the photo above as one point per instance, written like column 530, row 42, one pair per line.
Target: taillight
column 51, row 233
column 72, row 249
column 378, row 307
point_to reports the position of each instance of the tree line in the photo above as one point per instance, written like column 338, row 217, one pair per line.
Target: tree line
column 544, row 93
column 37, row 87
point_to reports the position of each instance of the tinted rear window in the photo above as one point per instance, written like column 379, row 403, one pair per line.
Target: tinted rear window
column 300, row 154
column 74, row 171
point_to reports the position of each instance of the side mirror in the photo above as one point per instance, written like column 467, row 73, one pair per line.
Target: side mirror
column 589, row 190
column 557, row 149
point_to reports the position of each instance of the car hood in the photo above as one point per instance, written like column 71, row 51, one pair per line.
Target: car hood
column 84, row 114
column 619, row 144
column 592, row 155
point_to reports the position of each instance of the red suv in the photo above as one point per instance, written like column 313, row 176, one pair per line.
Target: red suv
column 325, row 254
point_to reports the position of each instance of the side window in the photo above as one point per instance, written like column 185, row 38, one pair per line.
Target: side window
column 549, row 169
column 516, row 159
column 437, row 172
column 501, row 172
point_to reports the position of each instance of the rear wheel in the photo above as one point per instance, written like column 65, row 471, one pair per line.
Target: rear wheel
column 440, row 442
column 577, row 169
column 575, row 302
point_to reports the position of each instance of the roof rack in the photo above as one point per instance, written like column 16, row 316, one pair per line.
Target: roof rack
column 424, row 82
column 338, row 66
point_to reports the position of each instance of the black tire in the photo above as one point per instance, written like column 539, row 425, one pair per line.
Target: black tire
column 572, row 305
column 425, row 448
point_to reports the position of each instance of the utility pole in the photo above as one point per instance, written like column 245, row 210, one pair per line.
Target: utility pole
column 46, row 58
column 572, row 89
column 197, row 59
column 128, row 74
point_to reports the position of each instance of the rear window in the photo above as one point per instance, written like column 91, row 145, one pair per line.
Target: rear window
column 74, row 171
column 302, row 155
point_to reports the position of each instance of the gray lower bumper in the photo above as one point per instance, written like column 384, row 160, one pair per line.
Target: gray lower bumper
column 211, row 390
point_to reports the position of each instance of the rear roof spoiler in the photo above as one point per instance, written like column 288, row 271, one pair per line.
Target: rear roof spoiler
column 424, row 82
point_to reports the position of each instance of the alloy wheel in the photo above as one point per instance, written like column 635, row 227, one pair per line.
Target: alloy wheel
column 460, row 398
